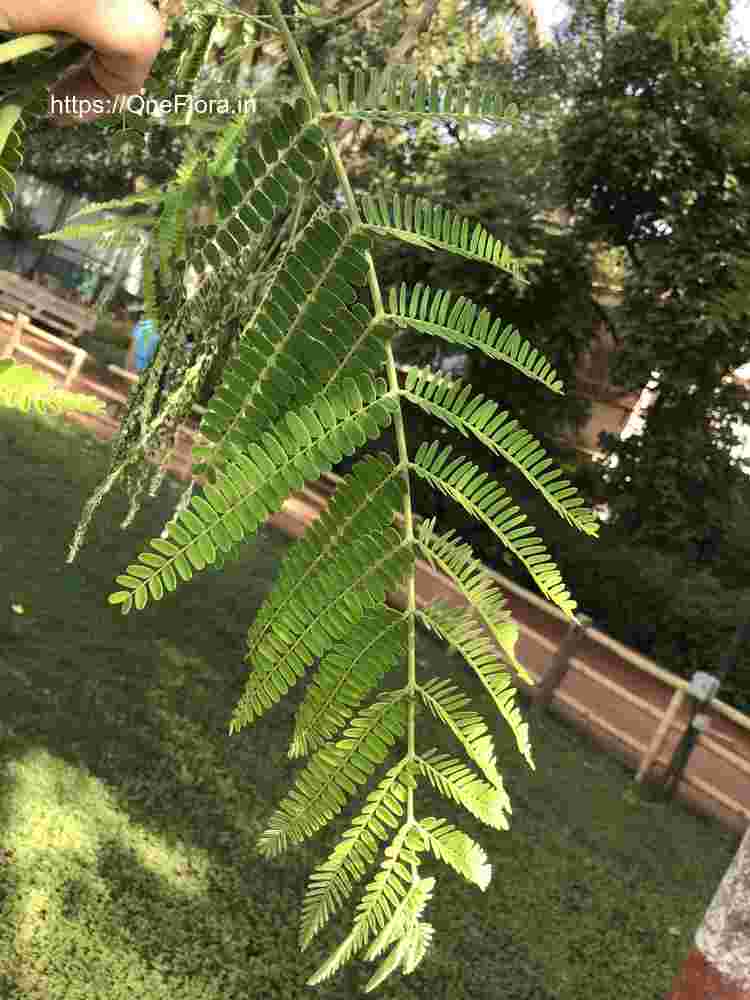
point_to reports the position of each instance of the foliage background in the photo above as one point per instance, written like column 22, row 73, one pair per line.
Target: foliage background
column 620, row 144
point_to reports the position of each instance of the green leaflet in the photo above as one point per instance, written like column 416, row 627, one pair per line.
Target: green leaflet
column 448, row 704
column 303, row 333
column 365, row 501
column 453, row 402
column 333, row 774
column 457, row 850
column 91, row 230
column 462, row 322
column 227, row 145
column 194, row 55
column 150, row 288
column 149, row 196
column 333, row 881
column 383, row 896
column 463, row 632
column 34, row 61
column 255, row 485
column 489, row 502
column 420, row 939
column 171, row 227
column 286, row 155
column 14, row 112
column 355, row 582
column 456, row 559
column 419, row 221
column 402, row 931
column 454, row 780
column 346, row 675
column 396, row 95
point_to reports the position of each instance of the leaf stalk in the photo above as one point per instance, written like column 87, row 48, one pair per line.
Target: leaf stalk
column 312, row 95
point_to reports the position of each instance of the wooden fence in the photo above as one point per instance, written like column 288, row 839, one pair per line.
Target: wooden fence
column 645, row 728
column 626, row 702
column 21, row 325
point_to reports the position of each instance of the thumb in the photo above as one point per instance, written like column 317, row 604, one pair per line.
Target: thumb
column 126, row 36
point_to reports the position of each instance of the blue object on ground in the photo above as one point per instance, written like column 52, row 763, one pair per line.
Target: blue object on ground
column 146, row 341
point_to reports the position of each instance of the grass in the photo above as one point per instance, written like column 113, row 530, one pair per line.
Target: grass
column 109, row 342
column 128, row 816
column 113, row 331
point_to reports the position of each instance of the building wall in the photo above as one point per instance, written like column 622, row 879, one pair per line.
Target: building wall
column 610, row 417
column 611, row 406
column 43, row 200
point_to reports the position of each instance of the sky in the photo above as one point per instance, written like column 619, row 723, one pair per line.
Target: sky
column 551, row 12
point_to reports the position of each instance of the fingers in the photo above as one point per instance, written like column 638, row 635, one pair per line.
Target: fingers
column 125, row 34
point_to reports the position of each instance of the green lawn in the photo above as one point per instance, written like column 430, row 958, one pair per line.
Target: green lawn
column 128, row 815
column 108, row 345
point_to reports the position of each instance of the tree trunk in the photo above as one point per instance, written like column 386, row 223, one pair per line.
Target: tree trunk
column 718, row 967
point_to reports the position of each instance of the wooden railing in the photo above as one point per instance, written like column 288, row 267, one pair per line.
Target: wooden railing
column 598, row 693
column 22, row 324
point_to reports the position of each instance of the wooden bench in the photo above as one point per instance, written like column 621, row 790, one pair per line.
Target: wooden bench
column 19, row 295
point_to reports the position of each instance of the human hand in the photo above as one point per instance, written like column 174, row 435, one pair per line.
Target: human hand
column 126, row 36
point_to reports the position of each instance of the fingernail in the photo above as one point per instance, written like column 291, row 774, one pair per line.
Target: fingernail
column 5, row 23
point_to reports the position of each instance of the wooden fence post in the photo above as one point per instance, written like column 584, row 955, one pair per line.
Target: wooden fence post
column 75, row 366
column 718, row 966
column 553, row 676
column 21, row 322
column 661, row 734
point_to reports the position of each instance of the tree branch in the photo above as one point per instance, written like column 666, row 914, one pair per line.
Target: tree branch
column 345, row 15
column 528, row 10
column 416, row 24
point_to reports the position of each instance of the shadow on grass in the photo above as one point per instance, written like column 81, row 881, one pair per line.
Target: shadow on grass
column 130, row 817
